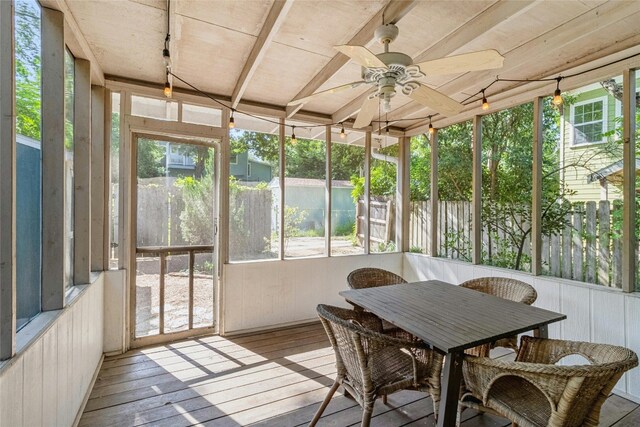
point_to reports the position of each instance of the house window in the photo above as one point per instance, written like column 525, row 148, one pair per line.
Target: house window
column 588, row 119
column 233, row 159
column 248, row 170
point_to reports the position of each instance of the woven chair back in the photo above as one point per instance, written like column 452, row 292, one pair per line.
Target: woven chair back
column 372, row 277
column 502, row 287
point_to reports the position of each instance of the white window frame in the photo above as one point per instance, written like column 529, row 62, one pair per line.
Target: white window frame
column 605, row 120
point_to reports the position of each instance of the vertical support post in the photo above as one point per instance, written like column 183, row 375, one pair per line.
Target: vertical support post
column 106, row 135
column 7, row 185
column 53, row 184
column 126, row 159
column 223, row 212
column 476, row 208
column 536, row 203
column 433, row 243
column 99, row 196
column 629, row 180
column 328, row 183
column 192, row 263
column 82, row 172
column 367, row 190
column 281, row 141
column 163, row 269
column 403, row 195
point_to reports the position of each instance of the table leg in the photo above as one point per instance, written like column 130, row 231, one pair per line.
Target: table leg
column 450, row 389
column 541, row 332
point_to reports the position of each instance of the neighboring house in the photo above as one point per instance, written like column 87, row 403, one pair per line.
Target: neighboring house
column 590, row 170
column 307, row 195
column 246, row 167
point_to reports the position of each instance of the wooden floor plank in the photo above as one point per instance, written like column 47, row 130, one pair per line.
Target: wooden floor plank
column 270, row 379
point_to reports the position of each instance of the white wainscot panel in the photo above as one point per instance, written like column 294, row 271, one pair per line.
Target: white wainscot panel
column 576, row 305
column 633, row 342
column 549, row 298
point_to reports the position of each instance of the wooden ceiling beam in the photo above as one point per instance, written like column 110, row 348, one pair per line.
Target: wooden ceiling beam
column 588, row 27
column 272, row 24
column 393, row 12
column 482, row 23
column 75, row 39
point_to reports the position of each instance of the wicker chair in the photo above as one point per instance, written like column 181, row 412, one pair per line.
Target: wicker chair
column 533, row 391
column 511, row 289
column 372, row 277
column 372, row 364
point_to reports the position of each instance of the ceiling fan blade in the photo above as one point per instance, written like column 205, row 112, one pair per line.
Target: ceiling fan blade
column 436, row 100
column 362, row 56
column 325, row 92
column 474, row 61
column 367, row 111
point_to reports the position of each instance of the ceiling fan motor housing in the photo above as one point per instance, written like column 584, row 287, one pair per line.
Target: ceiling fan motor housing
column 386, row 33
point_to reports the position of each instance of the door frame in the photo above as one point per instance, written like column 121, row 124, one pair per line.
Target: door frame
column 209, row 136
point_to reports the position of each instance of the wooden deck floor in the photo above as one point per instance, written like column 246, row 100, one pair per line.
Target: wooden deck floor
column 274, row 379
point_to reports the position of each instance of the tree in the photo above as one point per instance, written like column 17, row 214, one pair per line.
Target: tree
column 28, row 69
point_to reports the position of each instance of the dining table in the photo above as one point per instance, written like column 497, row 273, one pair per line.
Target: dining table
column 451, row 319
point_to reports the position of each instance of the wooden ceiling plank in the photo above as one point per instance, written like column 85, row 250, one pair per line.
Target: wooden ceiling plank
column 582, row 27
column 272, row 24
column 82, row 48
column 393, row 12
column 522, row 93
column 489, row 18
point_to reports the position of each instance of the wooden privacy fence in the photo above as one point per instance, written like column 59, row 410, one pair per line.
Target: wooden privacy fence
column 382, row 221
column 588, row 248
column 250, row 223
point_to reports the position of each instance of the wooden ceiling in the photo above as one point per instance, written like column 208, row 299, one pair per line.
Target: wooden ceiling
column 271, row 52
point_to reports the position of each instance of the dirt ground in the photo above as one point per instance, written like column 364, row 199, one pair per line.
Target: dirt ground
column 176, row 314
column 176, row 294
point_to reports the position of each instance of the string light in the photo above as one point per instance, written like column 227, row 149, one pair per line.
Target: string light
column 293, row 135
column 485, row 103
column 232, row 122
column 167, row 87
column 557, row 95
column 431, row 129
column 469, row 100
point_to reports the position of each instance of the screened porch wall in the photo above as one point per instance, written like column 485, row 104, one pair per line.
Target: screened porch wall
column 594, row 313
column 47, row 381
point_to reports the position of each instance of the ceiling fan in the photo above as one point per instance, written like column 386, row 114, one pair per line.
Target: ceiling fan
column 389, row 72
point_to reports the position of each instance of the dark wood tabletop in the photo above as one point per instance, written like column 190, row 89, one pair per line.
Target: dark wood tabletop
column 448, row 317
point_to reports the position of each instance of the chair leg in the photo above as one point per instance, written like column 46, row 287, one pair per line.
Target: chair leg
column 366, row 416
column 322, row 407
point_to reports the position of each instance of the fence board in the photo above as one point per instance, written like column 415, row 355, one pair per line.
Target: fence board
column 590, row 242
column 616, row 257
column 554, row 255
column 577, row 249
column 604, row 239
column 545, row 256
column 566, row 247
